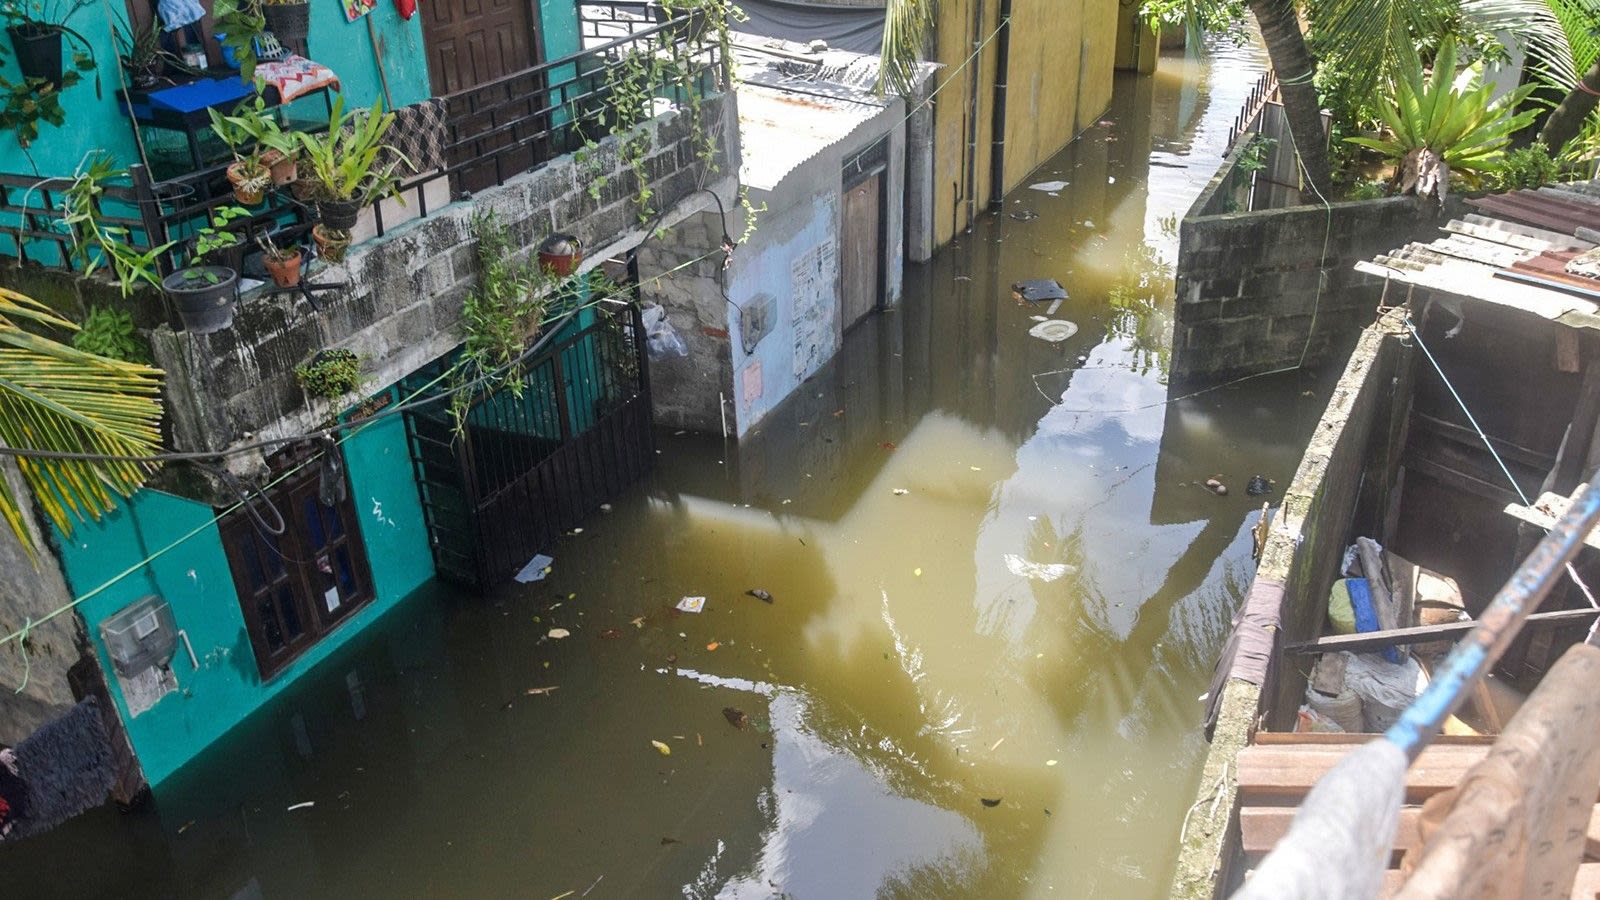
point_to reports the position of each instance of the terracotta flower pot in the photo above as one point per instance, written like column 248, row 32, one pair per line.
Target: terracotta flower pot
column 560, row 255
column 332, row 243
column 285, row 270
column 281, row 167
column 249, row 186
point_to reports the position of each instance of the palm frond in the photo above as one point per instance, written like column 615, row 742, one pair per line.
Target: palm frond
column 56, row 398
column 1533, row 26
column 906, row 25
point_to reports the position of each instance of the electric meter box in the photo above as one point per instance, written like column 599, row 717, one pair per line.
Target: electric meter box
column 140, row 635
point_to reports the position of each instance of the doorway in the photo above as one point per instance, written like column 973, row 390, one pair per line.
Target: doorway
column 861, row 237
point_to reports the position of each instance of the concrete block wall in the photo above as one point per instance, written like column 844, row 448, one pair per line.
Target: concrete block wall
column 1251, row 285
column 30, row 589
column 688, row 392
column 405, row 290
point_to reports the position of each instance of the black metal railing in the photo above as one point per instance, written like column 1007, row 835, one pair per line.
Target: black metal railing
column 532, row 463
column 495, row 131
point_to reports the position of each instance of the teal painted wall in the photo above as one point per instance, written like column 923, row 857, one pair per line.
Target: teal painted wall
column 196, row 580
column 98, row 124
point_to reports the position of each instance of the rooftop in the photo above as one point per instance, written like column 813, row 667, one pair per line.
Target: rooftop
column 1519, row 249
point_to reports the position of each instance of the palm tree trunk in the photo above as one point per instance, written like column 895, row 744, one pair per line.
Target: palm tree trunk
column 1293, row 62
column 1566, row 120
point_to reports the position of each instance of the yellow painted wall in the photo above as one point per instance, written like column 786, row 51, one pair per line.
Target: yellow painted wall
column 1062, row 54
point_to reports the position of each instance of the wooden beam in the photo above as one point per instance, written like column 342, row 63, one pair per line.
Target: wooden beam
column 1450, row 631
column 1462, row 435
column 1575, row 449
column 1544, row 513
column 1451, row 478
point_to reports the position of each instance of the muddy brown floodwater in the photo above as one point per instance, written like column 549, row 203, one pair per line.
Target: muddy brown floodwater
column 985, row 686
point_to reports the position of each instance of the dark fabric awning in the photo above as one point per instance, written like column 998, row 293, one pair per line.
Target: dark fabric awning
column 855, row 28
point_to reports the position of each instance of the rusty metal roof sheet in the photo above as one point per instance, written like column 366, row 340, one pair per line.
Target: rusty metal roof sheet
column 1513, row 251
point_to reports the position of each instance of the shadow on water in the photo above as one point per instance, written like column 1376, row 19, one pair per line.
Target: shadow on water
column 998, row 583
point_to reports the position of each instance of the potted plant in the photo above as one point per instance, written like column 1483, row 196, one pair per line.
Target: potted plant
column 215, row 243
column 332, row 243
column 344, row 163
column 38, row 30
column 248, row 174
column 560, row 254
column 288, row 20
column 141, row 54
column 277, row 148
column 304, row 185
column 283, row 263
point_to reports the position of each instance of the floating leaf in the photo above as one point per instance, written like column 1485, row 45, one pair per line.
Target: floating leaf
column 713, row 645
column 991, row 803
column 637, row 621
column 759, row 594
column 672, row 659
column 662, row 748
column 559, row 633
column 540, row 691
column 736, row 717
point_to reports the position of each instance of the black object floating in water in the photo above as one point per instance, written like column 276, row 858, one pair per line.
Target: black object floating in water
column 1038, row 290
column 1259, row 484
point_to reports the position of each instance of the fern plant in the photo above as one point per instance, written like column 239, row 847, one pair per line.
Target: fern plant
column 1438, row 126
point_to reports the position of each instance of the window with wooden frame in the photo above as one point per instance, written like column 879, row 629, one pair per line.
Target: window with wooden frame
column 296, row 586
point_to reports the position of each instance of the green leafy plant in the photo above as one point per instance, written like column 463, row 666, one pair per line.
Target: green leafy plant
column 1254, row 157
column 1528, row 167
column 330, row 374
column 109, row 332
column 1437, row 129
column 238, row 23
column 55, row 397
column 139, row 51
column 344, row 160
column 95, row 241
column 35, row 18
column 1366, row 189
column 215, row 235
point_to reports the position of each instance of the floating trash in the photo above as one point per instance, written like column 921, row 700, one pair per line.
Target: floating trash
column 1018, row 566
column 1038, row 290
column 1049, row 186
column 1054, row 330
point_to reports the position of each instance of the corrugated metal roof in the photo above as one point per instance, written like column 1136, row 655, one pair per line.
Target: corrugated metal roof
column 1515, row 251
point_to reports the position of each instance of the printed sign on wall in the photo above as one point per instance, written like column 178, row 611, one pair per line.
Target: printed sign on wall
column 816, row 307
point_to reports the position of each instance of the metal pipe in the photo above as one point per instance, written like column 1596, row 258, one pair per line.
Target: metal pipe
column 973, row 76
column 1002, row 65
column 1497, row 627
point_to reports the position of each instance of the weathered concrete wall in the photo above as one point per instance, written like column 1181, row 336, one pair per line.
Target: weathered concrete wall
column 689, row 392
column 406, row 289
column 1257, row 290
column 31, row 589
column 1059, row 82
column 1316, row 521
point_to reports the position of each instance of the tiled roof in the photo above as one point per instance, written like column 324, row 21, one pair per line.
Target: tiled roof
column 1516, row 250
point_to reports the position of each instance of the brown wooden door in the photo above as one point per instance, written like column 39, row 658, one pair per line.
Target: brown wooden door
column 861, row 249
column 474, row 42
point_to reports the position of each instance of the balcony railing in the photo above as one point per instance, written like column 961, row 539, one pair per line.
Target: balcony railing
column 494, row 132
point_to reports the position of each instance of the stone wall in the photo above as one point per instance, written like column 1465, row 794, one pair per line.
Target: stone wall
column 1251, row 285
column 686, row 391
column 1318, row 518
column 31, row 589
column 405, row 290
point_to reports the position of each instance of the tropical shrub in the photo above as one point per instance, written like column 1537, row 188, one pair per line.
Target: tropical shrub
column 1528, row 167
column 109, row 332
column 1438, row 126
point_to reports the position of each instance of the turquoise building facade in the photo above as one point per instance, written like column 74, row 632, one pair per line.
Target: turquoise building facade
column 190, row 570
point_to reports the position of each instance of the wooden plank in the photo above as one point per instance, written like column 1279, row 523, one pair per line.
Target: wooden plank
column 1546, row 511
column 1287, row 773
column 1585, row 885
column 1345, row 739
column 1377, row 640
column 1262, row 827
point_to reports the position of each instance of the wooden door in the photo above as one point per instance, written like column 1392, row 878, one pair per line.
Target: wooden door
column 861, row 249
column 474, row 42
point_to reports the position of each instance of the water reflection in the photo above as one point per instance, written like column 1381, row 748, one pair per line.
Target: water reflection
column 912, row 667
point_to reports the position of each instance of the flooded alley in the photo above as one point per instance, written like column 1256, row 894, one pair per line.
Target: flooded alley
column 997, row 588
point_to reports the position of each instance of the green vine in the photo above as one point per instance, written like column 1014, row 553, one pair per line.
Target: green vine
column 499, row 318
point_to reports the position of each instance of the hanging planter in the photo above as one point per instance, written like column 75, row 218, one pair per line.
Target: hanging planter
column 288, row 21
column 560, row 255
column 332, row 243
column 38, row 49
column 205, row 297
column 249, row 179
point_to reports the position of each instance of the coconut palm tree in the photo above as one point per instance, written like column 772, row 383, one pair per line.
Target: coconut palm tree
column 906, row 24
column 59, row 399
column 1297, row 69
